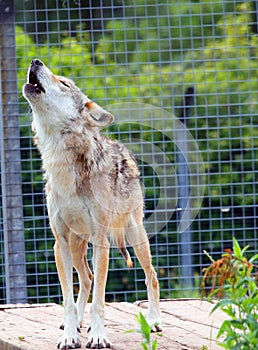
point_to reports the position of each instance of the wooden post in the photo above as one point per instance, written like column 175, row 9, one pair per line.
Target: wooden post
column 11, row 182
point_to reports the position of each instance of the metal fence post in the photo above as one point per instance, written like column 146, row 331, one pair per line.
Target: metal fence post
column 183, row 193
column 11, row 182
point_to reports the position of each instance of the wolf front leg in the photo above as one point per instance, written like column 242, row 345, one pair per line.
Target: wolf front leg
column 97, row 338
column 70, row 339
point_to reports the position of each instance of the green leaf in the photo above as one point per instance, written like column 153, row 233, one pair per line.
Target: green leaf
column 154, row 345
column 244, row 250
column 221, row 304
column 254, row 297
column 145, row 328
column 144, row 346
column 213, row 292
column 252, row 323
column 242, row 286
column 237, row 249
column 230, row 311
column 253, row 258
column 237, row 324
column 130, row 331
column 225, row 328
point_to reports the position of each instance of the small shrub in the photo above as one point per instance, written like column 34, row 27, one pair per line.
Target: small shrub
column 145, row 331
column 234, row 279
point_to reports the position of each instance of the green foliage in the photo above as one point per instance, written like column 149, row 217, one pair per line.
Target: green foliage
column 21, row 338
column 145, row 331
column 173, row 28
column 204, row 347
column 239, row 284
column 152, row 57
column 45, row 20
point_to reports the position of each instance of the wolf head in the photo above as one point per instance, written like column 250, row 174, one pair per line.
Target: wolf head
column 56, row 101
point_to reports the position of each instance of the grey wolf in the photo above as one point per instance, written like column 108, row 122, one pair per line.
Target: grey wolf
column 93, row 193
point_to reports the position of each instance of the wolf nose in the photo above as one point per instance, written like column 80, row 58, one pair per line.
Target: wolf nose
column 36, row 62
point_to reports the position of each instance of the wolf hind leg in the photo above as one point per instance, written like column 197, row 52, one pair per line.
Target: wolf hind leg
column 137, row 237
column 97, row 338
column 79, row 248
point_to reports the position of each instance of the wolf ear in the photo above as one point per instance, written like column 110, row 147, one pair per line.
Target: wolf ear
column 97, row 116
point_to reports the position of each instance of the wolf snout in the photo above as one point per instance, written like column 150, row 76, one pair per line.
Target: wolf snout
column 36, row 62
column 34, row 87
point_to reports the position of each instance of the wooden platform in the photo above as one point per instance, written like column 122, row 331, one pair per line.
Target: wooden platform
column 187, row 325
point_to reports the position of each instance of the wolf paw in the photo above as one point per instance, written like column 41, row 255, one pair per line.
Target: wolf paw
column 69, row 342
column 98, row 342
column 155, row 324
column 156, row 327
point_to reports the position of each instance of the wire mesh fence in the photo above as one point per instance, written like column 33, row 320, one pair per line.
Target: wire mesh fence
column 181, row 80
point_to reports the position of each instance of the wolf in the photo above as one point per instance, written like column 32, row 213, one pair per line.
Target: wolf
column 93, row 194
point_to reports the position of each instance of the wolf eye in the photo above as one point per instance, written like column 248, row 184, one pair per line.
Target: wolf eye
column 64, row 83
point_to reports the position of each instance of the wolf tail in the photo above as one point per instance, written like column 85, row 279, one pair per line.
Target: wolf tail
column 119, row 237
column 126, row 256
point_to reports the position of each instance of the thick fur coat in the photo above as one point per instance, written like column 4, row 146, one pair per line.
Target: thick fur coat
column 93, row 194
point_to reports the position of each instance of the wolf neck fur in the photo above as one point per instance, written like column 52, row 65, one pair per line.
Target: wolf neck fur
column 71, row 151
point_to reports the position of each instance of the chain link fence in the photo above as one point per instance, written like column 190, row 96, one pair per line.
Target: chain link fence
column 181, row 79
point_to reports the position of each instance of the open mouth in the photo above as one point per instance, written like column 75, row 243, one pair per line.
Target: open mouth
column 33, row 80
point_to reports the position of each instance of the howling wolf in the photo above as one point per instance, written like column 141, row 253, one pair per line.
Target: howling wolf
column 93, row 195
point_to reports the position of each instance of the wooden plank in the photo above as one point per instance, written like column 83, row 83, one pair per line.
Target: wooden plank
column 187, row 325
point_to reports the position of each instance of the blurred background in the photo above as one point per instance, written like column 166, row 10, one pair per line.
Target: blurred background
column 196, row 60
